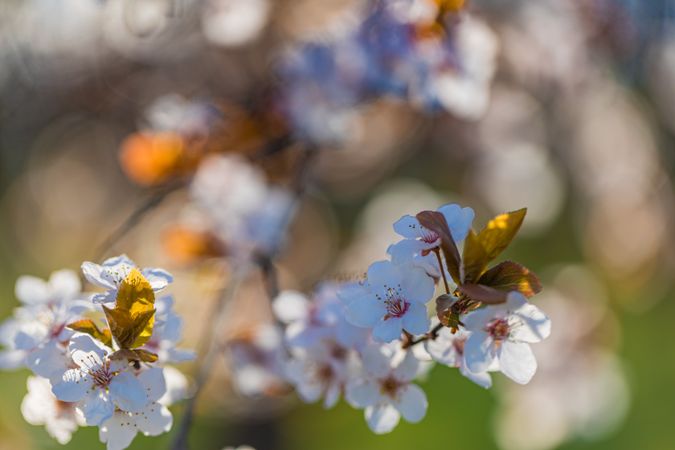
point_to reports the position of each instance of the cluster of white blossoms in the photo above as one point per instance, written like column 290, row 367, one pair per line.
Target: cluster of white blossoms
column 97, row 359
column 360, row 339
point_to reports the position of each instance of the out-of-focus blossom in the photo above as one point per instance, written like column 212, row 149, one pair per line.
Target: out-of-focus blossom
column 386, row 390
column 234, row 22
column 36, row 335
column 40, row 407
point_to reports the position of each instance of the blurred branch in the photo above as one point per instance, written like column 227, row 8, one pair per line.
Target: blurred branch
column 208, row 349
column 135, row 218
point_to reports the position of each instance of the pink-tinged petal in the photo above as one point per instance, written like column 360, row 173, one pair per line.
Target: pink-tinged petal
column 405, row 250
column 117, row 432
column 128, row 393
column 158, row 278
column 154, row 420
column 153, row 382
column 407, row 369
column 382, row 418
column 517, row 361
column 64, row 284
column 416, row 284
column 31, row 290
column 388, row 330
column 416, row 320
column 73, row 386
column 291, row 306
column 479, row 352
column 97, row 407
column 459, row 220
column 482, row 379
column 375, row 362
column 365, row 312
column 332, row 395
column 362, row 393
column 94, row 274
column 412, row 403
column 408, row 227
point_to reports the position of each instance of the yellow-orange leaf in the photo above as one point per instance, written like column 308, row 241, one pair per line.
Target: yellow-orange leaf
column 511, row 276
column 89, row 327
column 500, row 231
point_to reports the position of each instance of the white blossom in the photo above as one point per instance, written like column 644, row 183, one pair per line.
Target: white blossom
column 113, row 271
column 40, row 407
column 392, row 299
column 386, row 390
column 502, row 334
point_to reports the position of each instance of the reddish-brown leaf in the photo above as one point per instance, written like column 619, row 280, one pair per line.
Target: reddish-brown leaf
column 510, row 276
column 483, row 294
column 435, row 221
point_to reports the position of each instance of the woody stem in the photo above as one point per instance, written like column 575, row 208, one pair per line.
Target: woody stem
column 442, row 269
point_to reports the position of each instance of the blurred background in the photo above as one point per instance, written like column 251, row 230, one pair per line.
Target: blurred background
column 577, row 125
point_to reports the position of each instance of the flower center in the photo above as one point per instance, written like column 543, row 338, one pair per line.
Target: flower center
column 395, row 303
column 498, row 329
column 101, row 375
column 390, row 386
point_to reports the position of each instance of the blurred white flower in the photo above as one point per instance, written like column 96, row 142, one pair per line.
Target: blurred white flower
column 234, row 22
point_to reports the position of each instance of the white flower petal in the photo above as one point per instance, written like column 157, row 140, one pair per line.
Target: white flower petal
column 482, row 379
column 87, row 352
column 407, row 369
column 158, row 278
column 416, row 320
column 94, row 274
column 416, row 284
column 479, row 352
column 96, row 407
column 388, row 330
column 517, row 361
column 31, row 290
column 442, row 349
column 128, row 393
column 382, row 418
column 478, row 319
column 117, row 433
column 154, row 420
column 64, row 284
column 412, row 403
column 408, row 227
column 365, row 311
column 154, row 383
column 459, row 220
column 375, row 362
column 73, row 386
column 332, row 395
column 363, row 393
column 382, row 275
column 47, row 361
column 290, row 306
column 534, row 325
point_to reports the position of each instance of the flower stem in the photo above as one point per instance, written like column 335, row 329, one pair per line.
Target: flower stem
column 440, row 265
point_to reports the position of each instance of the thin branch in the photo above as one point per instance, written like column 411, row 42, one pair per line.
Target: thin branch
column 135, row 218
column 440, row 266
column 208, row 350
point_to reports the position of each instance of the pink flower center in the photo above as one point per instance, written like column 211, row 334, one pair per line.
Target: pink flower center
column 428, row 236
column 499, row 329
column 394, row 302
column 458, row 345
